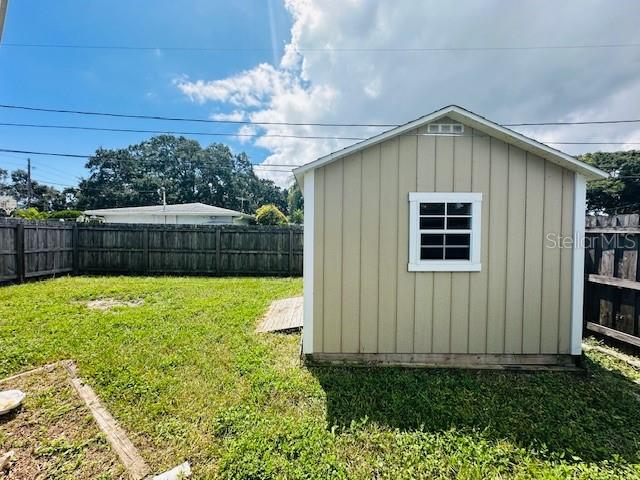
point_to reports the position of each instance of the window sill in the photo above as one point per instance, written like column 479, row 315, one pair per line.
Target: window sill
column 450, row 266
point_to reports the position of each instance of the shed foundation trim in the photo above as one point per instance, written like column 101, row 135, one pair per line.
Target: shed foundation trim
column 449, row 360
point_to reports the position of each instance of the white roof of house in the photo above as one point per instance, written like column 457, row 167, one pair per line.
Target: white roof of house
column 472, row 120
column 181, row 209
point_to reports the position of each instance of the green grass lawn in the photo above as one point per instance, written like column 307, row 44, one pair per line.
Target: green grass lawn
column 188, row 378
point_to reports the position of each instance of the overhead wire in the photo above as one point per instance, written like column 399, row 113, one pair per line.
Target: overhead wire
column 319, row 49
column 293, row 124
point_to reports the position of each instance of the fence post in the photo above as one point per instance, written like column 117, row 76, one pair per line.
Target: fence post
column 145, row 249
column 218, row 250
column 290, row 251
column 75, row 252
column 20, row 255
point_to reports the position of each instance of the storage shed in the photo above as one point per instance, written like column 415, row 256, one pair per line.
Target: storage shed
column 447, row 241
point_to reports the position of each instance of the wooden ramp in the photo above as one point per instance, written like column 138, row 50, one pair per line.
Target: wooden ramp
column 283, row 316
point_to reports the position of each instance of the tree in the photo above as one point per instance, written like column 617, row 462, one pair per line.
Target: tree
column 270, row 215
column 621, row 192
column 189, row 173
column 294, row 199
column 43, row 197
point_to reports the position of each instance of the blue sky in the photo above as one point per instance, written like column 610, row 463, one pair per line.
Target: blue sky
column 322, row 61
column 122, row 81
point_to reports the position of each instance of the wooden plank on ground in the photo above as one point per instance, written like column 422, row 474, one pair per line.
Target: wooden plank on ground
column 632, row 361
column 117, row 437
column 283, row 315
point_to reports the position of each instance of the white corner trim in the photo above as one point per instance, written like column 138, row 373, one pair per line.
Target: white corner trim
column 472, row 265
column 577, row 284
column 308, row 237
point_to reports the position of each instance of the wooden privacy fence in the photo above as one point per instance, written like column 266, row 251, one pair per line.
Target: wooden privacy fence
column 34, row 249
column 612, row 277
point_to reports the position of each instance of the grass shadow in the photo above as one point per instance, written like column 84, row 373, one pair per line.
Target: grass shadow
column 591, row 415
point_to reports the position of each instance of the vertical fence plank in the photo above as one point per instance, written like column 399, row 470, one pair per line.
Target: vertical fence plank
column 145, row 249
column 75, row 252
column 291, row 264
column 20, row 255
column 218, row 251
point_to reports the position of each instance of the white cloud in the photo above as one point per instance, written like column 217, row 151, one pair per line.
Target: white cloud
column 313, row 84
column 246, row 130
column 235, row 116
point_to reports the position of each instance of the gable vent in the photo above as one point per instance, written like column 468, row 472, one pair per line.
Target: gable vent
column 445, row 128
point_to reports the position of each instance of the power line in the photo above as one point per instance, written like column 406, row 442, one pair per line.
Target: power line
column 256, row 135
column 211, row 134
column 73, row 155
column 186, row 119
column 291, row 124
column 321, row 49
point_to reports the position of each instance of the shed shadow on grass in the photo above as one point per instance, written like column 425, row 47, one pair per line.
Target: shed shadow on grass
column 591, row 415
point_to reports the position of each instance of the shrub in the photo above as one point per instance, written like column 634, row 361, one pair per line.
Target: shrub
column 65, row 214
column 270, row 215
column 30, row 214
column 297, row 217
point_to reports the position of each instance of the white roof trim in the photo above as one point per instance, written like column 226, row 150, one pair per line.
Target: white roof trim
column 475, row 121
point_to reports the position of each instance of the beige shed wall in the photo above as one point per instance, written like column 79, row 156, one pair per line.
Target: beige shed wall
column 365, row 300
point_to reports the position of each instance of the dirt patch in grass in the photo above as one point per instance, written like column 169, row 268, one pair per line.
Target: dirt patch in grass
column 53, row 434
column 109, row 303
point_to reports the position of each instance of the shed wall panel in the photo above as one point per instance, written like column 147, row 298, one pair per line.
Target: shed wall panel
column 423, row 302
column 387, row 281
column 516, row 228
column 351, row 254
column 479, row 281
column 333, row 211
column 367, row 301
column 406, row 280
column 462, row 170
column 369, row 253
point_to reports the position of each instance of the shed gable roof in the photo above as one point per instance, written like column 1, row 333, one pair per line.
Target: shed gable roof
column 472, row 120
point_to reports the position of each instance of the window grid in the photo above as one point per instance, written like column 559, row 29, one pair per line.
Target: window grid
column 447, row 251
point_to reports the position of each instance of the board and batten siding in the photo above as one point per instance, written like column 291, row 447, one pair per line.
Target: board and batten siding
column 366, row 301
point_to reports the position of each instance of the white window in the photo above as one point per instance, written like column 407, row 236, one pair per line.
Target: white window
column 444, row 232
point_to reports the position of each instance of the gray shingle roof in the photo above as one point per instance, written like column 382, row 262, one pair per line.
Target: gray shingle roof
column 181, row 209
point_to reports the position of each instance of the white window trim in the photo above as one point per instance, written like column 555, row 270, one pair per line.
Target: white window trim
column 417, row 265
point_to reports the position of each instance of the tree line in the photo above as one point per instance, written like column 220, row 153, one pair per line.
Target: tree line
column 181, row 167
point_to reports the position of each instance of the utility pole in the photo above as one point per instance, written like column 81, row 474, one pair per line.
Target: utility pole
column 3, row 14
column 28, row 183
column 162, row 191
column 242, row 199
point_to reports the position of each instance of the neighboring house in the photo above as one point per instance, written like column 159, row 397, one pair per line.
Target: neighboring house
column 8, row 204
column 433, row 244
column 186, row 213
